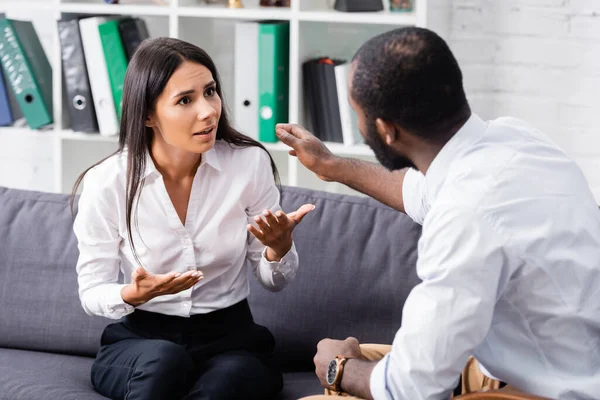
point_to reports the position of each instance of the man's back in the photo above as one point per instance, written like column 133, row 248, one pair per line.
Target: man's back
column 532, row 220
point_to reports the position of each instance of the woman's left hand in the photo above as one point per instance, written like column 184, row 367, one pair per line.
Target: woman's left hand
column 275, row 230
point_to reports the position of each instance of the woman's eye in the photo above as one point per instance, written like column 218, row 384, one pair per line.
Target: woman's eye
column 184, row 100
column 210, row 92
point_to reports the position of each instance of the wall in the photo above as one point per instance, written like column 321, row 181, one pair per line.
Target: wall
column 538, row 60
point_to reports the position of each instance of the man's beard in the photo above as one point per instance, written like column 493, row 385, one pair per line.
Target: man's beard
column 386, row 156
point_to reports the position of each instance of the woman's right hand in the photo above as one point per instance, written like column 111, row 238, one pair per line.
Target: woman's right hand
column 145, row 286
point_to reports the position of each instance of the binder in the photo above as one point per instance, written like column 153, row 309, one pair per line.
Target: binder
column 332, row 110
column 98, row 71
column 133, row 32
column 6, row 116
column 273, row 77
column 246, row 78
column 349, row 121
column 27, row 70
column 80, row 104
column 115, row 58
column 322, row 96
column 313, row 98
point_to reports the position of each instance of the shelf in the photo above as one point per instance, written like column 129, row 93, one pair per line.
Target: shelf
column 22, row 6
column 87, row 137
column 26, row 131
column 336, row 148
column 380, row 18
column 117, row 9
column 235, row 13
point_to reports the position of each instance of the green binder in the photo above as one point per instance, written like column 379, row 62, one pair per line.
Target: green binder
column 273, row 77
column 27, row 70
column 116, row 59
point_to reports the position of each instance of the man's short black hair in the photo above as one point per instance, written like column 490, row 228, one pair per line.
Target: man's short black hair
column 410, row 77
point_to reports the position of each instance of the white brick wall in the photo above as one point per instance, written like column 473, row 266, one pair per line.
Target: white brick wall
column 538, row 60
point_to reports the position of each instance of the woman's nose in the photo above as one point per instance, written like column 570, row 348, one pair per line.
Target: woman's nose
column 206, row 111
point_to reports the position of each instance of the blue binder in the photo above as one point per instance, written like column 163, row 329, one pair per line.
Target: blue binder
column 6, row 116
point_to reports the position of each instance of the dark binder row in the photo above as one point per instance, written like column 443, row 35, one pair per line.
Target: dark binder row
column 80, row 101
column 322, row 98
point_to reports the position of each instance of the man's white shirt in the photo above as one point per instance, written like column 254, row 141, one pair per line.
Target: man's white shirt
column 509, row 259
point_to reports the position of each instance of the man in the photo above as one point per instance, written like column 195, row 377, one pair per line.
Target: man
column 510, row 250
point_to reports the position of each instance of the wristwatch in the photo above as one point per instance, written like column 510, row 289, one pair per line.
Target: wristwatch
column 335, row 372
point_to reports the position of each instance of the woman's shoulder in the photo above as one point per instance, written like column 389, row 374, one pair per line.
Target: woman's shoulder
column 109, row 172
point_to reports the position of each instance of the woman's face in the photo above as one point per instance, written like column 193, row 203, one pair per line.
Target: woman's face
column 187, row 112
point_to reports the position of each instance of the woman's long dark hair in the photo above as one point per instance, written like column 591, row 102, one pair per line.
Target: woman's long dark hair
column 147, row 75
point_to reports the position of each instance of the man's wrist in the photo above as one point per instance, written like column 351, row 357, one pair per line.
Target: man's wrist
column 356, row 379
column 333, row 168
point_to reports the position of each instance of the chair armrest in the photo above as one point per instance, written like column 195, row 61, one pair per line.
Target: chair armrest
column 499, row 395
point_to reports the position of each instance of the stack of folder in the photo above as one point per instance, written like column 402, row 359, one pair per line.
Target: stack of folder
column 98, row 47
column 27, row 73
column 261, row 77
column 326, row 95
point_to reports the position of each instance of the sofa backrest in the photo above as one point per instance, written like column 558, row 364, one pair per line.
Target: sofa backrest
column 357, row 260
column 357, row 267
column 40, row 308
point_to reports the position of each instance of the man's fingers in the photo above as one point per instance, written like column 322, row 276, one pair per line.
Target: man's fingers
column 286, row 137
column 293, row 153
column 290, row 133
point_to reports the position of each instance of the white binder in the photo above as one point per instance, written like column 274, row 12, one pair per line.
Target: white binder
column 348, row 117
column 246, row 78
column 95, row 61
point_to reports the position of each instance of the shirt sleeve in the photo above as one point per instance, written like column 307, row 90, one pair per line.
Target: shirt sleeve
column 414, row 196
column 463, row 267
column 274, row 276
column 99, row 260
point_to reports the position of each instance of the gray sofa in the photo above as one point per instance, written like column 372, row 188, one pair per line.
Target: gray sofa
column 357, row 261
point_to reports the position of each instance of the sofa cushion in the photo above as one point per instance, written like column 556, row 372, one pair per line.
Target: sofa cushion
column 27, row 375
column 300, row 384
column 38, row 282
column 357, row 267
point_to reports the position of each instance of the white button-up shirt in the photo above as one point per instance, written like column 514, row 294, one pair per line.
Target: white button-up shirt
column 231, row 186
column 510, row 262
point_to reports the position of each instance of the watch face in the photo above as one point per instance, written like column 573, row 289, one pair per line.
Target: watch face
column 331, row 372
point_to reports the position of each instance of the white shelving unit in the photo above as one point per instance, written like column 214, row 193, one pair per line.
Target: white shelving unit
column 315, row 29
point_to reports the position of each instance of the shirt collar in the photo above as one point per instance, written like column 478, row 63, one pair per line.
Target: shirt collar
column 471, row 131
column 210, row 158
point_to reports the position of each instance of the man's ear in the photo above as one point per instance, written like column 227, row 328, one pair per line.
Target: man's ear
column 386, row 130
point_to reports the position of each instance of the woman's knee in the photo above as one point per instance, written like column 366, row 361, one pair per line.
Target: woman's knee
column 166, row 359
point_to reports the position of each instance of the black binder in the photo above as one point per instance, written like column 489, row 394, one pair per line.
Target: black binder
column 80, row 103
column 322, row 99
column 133, row 32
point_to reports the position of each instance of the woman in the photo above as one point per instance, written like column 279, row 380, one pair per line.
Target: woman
column 170, row 210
